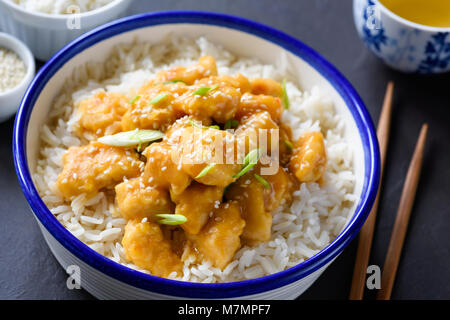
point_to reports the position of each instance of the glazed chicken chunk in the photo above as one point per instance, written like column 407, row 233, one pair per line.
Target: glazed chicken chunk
column 177, row 131
column 266, row 87
column 101, row 114
column 145, row 245
column 258, row 131
column 95, row 166
column 136, row 200
column 151, row 111
column 196, row 203
column 280, row 190
column 220, row 238
column 218, row 101
column 309, row 159
column 251, row 103
column 249, row 194
column 205, row 68
column 152, row 87
column 200, row 148
column 162, row 171
column 239, row 82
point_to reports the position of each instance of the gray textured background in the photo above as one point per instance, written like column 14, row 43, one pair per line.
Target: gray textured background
column 29, row 271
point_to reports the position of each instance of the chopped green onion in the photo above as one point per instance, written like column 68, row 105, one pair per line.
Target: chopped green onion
column 289, row 144
column 171, row 219
column 262, row 181
column 131, row 138
column 250, row 160
column 133, row 101
column 203, row 91
column 244, row 170
column 205, row 170
column 285, row 97
column 195, row 124
column 252, row 157
column 138, row 150
column 230, row 124
column 173, row 81
column 169, row 82
column 159, row 98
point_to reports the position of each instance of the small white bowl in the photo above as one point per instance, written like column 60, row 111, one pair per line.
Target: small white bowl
column 10, row 100
column 401, row 44
column 45, row 34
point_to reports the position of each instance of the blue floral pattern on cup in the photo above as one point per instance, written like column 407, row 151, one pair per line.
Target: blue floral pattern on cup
column 373, row 37
column 437, row 53
column 402, row 45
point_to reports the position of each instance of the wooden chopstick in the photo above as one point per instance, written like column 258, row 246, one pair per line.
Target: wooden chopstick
column 366, row 234
column 402, row 218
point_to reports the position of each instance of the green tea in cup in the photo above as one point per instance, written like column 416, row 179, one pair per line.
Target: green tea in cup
column 434, row 13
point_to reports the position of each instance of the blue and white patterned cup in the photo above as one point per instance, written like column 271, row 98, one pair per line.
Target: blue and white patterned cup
column 402, row 44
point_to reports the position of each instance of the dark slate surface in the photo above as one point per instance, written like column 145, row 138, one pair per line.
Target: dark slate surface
column 29, row 271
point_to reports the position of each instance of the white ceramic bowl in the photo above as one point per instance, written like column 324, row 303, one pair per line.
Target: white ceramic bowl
column 45, row 34
column 401, row 44
column 106, row 279
column 10, row 100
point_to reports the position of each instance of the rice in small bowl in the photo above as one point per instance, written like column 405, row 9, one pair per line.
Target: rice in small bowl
column 61, row 7
column 47, row 26
column 319, row 214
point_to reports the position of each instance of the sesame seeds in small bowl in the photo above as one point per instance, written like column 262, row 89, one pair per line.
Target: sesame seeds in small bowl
column 12, row 69
column 16, row 72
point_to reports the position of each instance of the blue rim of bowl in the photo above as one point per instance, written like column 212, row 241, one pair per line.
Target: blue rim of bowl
column 180, row 288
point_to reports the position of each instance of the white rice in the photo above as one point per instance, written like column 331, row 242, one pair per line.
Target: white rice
column 315, row 217
column 61, row 6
